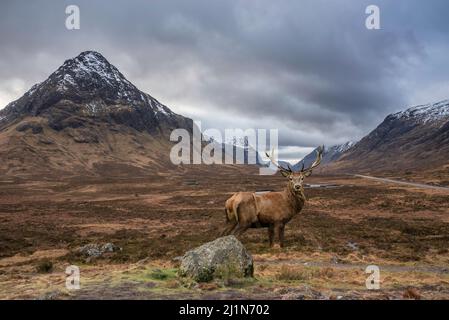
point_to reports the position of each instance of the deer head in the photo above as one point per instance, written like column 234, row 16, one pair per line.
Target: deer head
column 296, row 178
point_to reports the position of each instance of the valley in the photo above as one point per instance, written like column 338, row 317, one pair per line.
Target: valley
column 156, row 218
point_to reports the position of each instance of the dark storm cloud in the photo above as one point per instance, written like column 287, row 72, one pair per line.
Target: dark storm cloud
column 309, row 68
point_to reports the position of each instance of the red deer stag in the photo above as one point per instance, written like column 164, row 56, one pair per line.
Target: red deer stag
column 270, row 210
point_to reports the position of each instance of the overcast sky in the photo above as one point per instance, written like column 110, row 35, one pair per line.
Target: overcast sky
column 309, row 68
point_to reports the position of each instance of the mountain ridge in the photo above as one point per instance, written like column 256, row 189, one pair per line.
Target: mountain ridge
column 417, row 137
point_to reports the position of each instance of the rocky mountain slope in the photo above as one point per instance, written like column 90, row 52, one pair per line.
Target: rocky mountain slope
column 417, row 138
column 86, row 118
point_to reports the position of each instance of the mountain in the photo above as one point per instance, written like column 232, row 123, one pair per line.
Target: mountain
column 89, row 86
column 86, row 117
column 415, row 138
column 330, row 154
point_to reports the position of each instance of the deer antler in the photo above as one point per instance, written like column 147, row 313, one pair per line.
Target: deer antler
column 271, row 157
column 319, row 156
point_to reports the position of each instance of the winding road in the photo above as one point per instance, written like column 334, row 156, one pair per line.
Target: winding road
column 413, row 184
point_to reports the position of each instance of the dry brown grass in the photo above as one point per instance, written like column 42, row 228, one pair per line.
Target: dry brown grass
column 389, row 225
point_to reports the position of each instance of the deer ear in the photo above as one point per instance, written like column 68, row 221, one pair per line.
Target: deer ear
column 285, row 174
column 308, row 173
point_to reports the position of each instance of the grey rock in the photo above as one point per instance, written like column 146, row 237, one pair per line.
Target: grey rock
column 352, row 245
column 91, row 250
column 222, row 258
column 110, row 247
column 51, row 295
column 95, row 250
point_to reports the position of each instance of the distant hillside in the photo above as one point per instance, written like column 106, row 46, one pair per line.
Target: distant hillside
column 417, row 138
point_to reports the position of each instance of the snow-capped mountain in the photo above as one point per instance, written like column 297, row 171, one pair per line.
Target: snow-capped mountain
column 90, row 86
column 417, row 137
column 86, row 117
column 330, row 154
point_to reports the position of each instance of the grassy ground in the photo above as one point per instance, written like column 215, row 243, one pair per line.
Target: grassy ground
column 157, row 218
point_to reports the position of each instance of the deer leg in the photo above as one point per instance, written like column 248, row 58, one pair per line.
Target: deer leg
column 240, row 229
column 277, row 231
column 228, row 229
column 234, row 229
column 271, row 234
column 281, row 235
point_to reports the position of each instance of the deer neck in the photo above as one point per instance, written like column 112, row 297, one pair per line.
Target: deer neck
column 296, row 198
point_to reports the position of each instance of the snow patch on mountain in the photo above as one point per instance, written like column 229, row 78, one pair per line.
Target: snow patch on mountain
column 431, row 112
column 340, row 148
column 160, row 108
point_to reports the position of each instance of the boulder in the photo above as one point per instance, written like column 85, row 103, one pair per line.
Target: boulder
column 222, row 258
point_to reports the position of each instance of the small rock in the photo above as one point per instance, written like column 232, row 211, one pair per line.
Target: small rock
column 110, row 247
column 94, row 250
column 352, row 245
column 51, row 295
